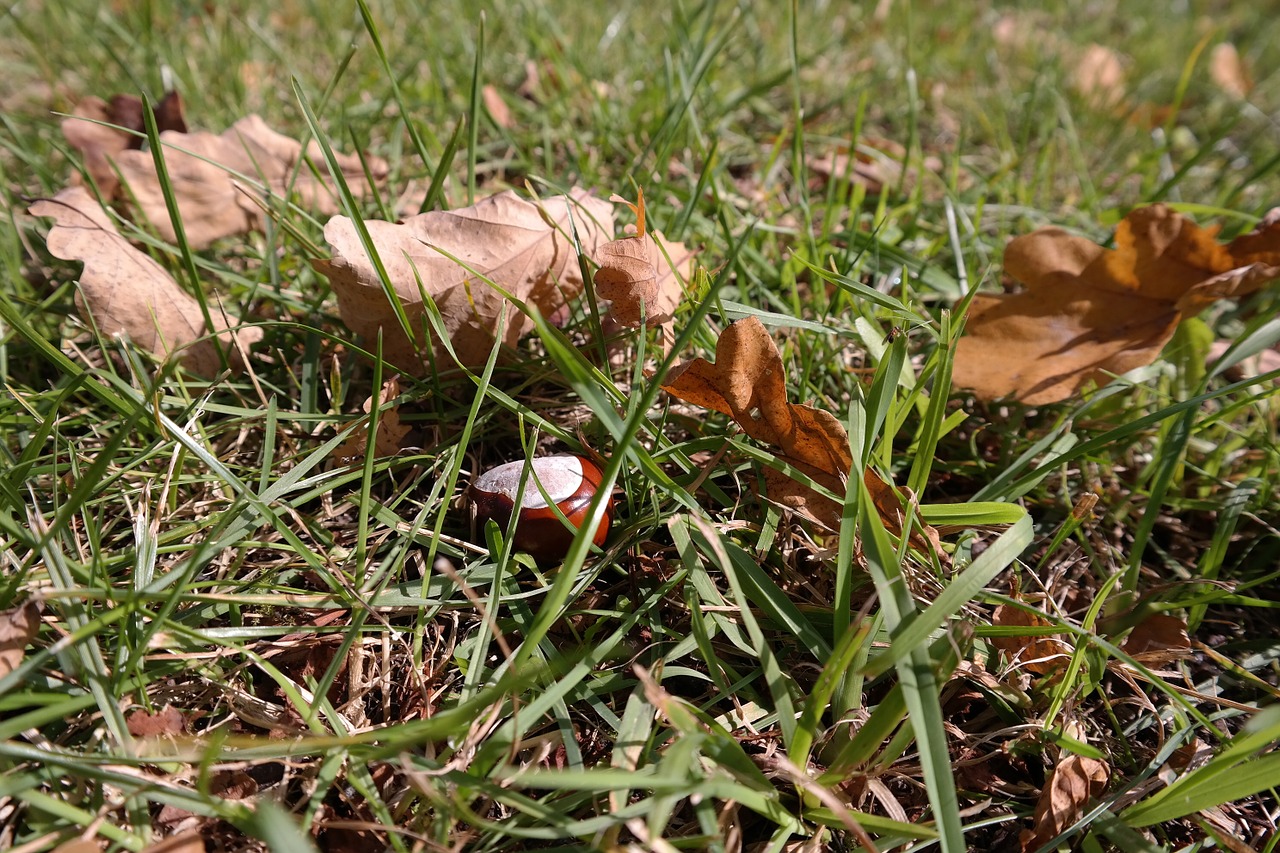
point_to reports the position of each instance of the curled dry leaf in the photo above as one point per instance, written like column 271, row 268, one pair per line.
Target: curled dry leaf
column 642, row 270
column 88, row 131
column 1088, row 312
column 522, row 247
column 18, row 627
column 219, row 180
column 1159, row 639
column 1073, row 782
column 1035, row 652
column 747, row 383
column 125, row 292
column 390, row 435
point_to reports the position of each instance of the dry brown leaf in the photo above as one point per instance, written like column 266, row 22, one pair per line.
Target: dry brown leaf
column 214, row 200
column 747, row 383
column 125, row 292
column 1087, row 312
column 1159, row 639
column 1228, row 70
column 187, row 842
column 390, row 435
column 876, row 163
column 78, row 845
column 167, row 722
column 644, row 269
column 1073, row 782
column 88, row 132
column 496, row 106
column 18, row 627
column 1037, row 653
column 1099, row 76
column 522, row 247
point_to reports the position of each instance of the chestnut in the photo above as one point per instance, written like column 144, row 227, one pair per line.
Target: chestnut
column 571, row 483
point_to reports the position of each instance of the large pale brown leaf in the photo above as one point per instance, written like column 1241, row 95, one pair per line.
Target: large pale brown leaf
column 1087, row 312
column 522, row 247
column 218, row 179
column 125, row 292
column 747, row 382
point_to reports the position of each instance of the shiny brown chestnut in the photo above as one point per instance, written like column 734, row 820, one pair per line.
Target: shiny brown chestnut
column 570, row 481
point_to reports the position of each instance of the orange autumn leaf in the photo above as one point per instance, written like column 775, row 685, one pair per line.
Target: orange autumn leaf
column 747, row 382
column 522, row 247
column 1087, row 312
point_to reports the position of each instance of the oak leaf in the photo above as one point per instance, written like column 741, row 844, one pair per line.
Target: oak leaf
column 220, row 181
column 645, row 269
column 1036, row 652
column 523, row 248
column 1158, row 639
column 100, row 130
column 1074, row 781
column 1088, row 312
column 125, row 292
column 390, row 433
column 747, row 382
column 18, row 627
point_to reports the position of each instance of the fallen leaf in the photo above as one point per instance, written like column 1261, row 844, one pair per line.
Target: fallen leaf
column 1035, row 652
column 1256, row 365
column 1088, row 312
column 125, row 292
column 1227, row 69
column 875, row 163
column 642, row 270
column 18, row 627
column 390, row 434
column 188, row 842
column 1099, row 76
column 747, row 382
column 496, row 106
column 78, row 845
column 219, row 179
column 90, row 131
column 166, row 722
column 1159, row 639
column 1073, row 782
column 523, row 247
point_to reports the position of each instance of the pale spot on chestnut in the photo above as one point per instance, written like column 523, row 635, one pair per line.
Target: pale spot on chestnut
column 569, row 481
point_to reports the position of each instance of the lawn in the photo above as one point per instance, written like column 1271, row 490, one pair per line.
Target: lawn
column 942, row 444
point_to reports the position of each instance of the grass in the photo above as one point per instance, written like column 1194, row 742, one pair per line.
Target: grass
column 350, row 668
